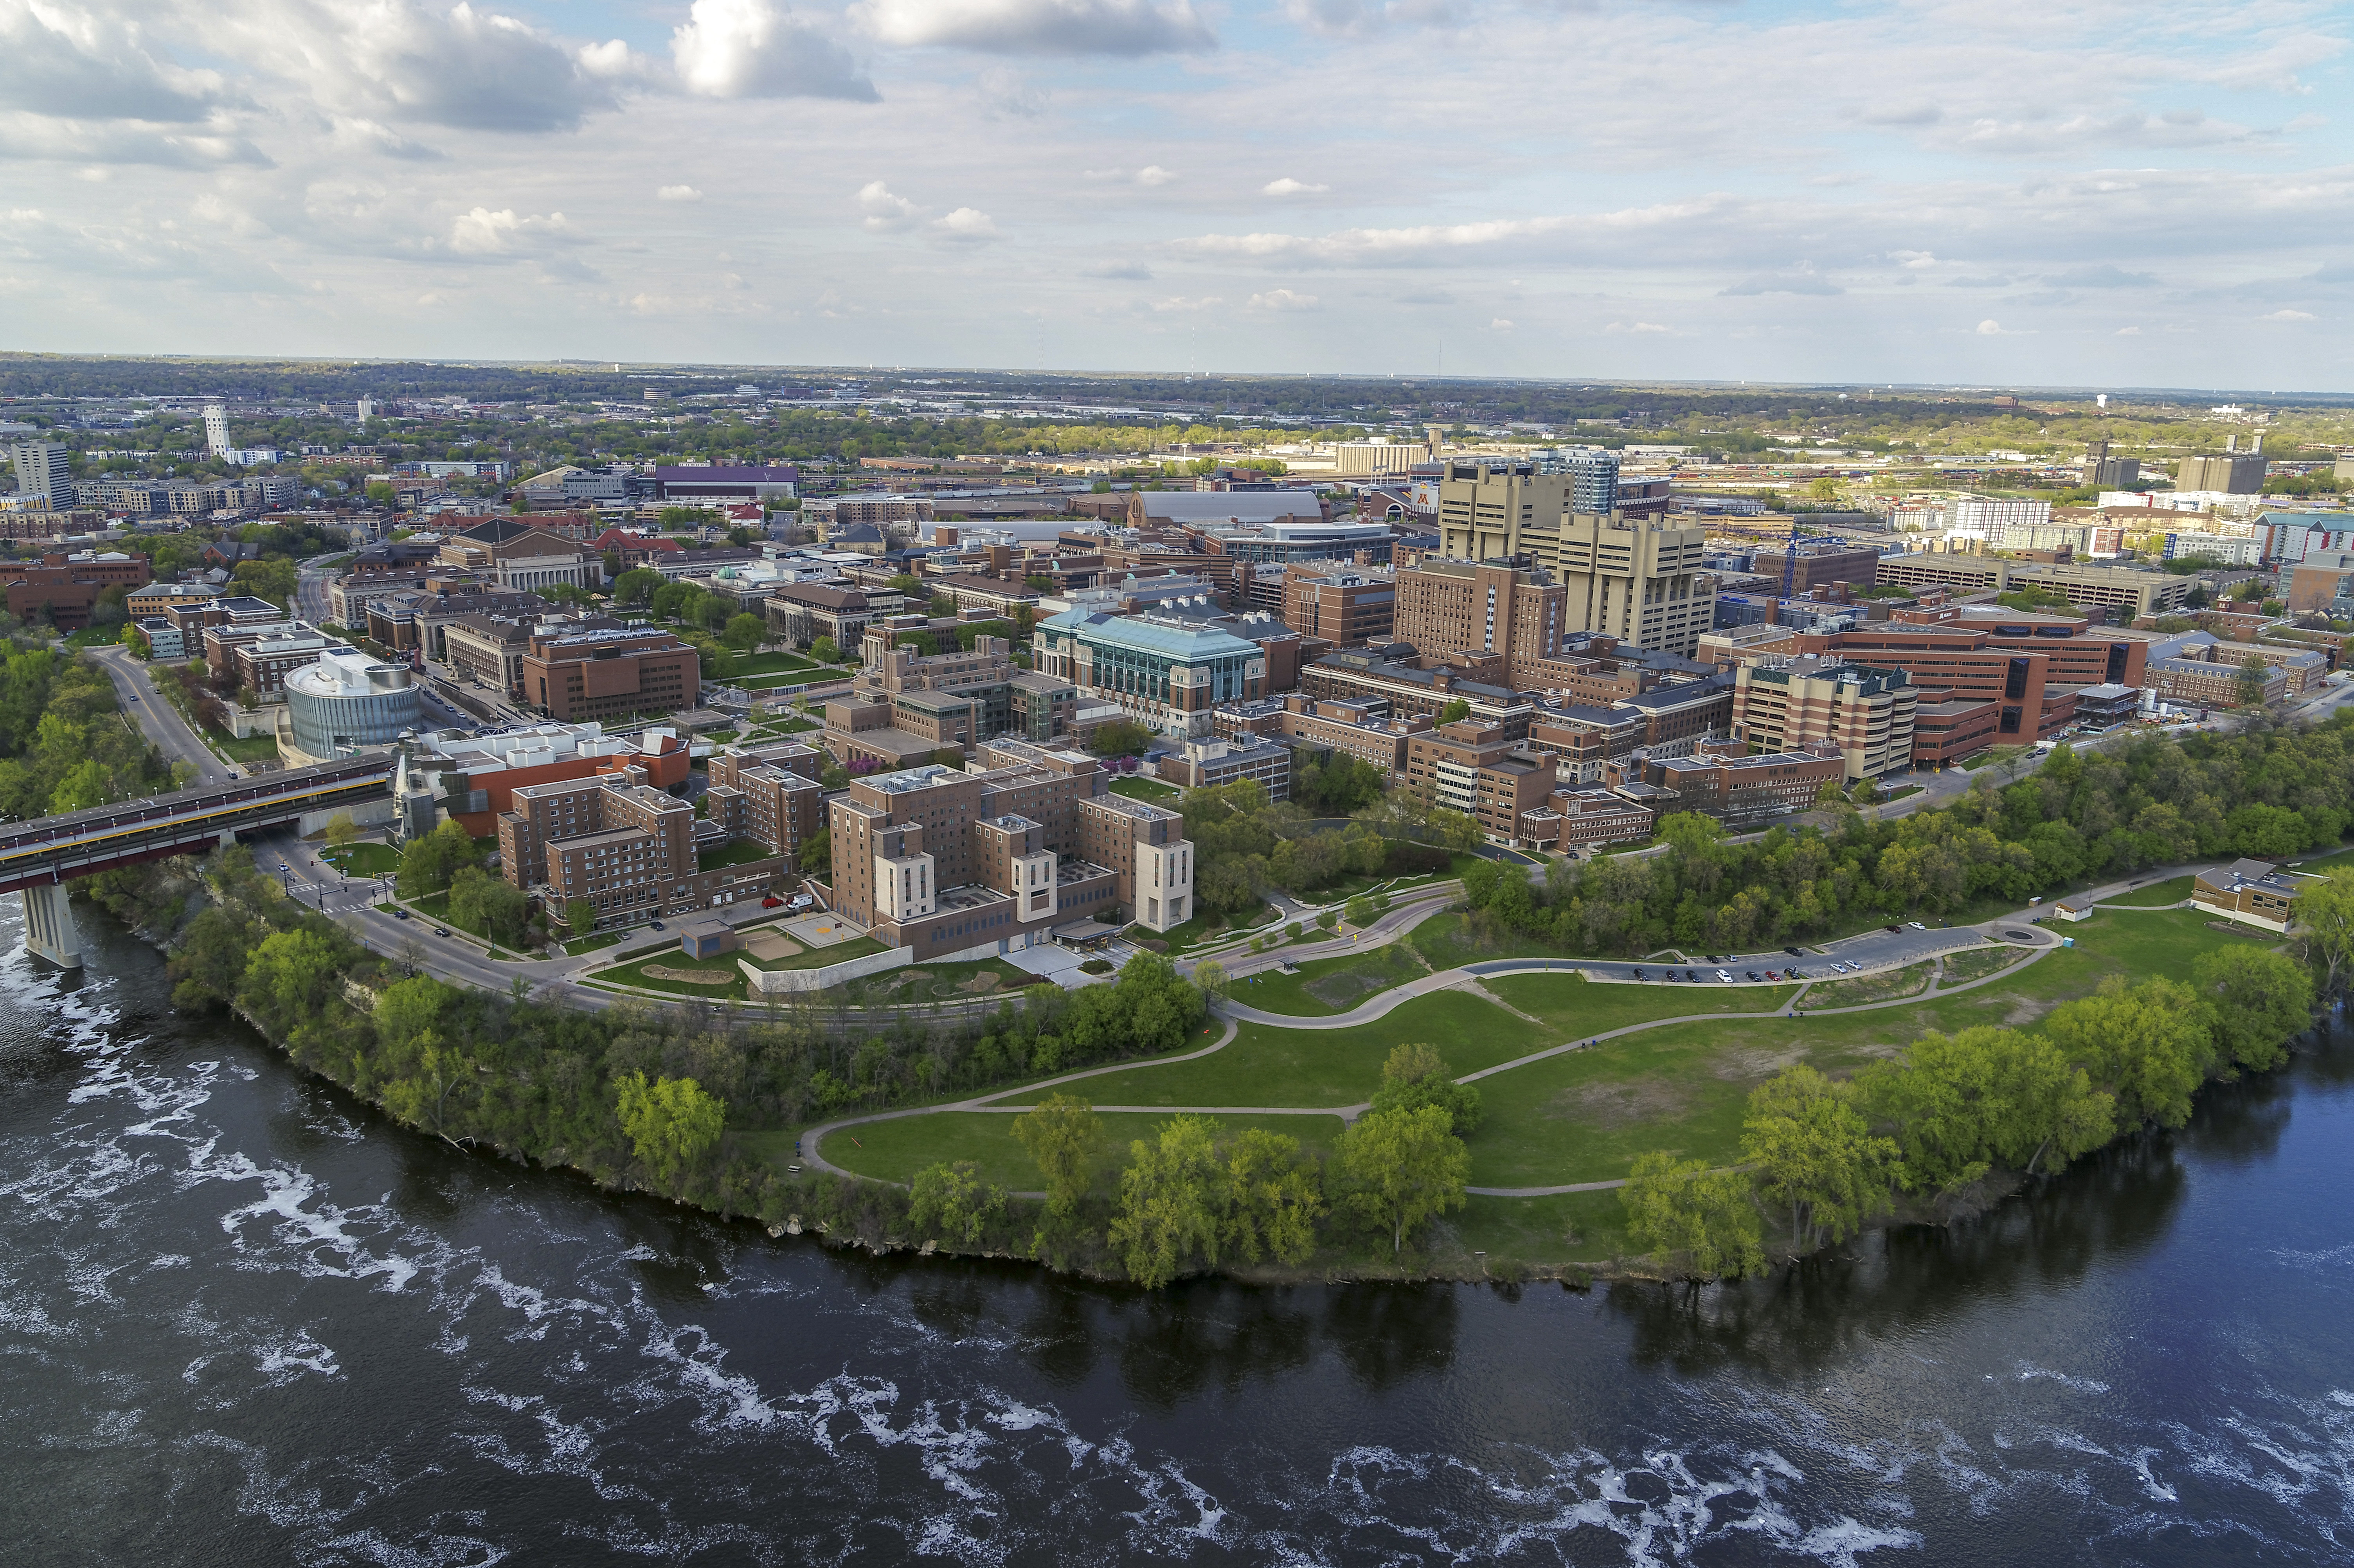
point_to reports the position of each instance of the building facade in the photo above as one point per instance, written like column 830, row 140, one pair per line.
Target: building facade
column 1168, row 676
column 604, row 674
column 1786, row 704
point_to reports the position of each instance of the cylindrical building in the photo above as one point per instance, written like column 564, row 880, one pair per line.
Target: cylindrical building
column 348, row 700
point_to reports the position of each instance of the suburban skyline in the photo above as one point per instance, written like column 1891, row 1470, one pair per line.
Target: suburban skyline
column 1695, row 190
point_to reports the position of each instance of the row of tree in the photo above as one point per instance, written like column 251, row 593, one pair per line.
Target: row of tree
column 1245, row 844
column 1195, row 1195
column 64, row 742
column 2271, row 793
column 1955, row 1116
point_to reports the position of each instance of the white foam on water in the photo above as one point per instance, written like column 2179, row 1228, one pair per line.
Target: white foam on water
column 2032, row 1373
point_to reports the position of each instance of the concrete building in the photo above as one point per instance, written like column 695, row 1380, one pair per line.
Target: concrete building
column 1574, row 819
column 1284, row 542
column 1168, row 676
column 903, row 706
column 44, row 474
column 2122, row 592
column 520, row 559
column 716, row 485
column 980, row 863
column 1210, row 763
column 1786, row 704
column 607, row 674
column 1177, row 509
column 1741, row 789
column 1328, row 725
column 2229, row 474
column 345, row 702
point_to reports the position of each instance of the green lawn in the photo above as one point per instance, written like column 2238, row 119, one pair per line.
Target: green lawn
column 769, row 664
column 364, row 859
column 1269, row 1064
column 1974, row 963
column 1205, row 928
column 591, row 943
column 1578, row 1006
column 896, row 1150
column 723, row 968
column 1540, row 1230
column 2155, row 895
column 1150, row 790
column 1327, row 986
column 246, row 748
column 1445, row 943
column 742, row 851
column 790, row 678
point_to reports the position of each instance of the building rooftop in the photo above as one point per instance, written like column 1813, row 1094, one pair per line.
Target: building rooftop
column 1148, row 635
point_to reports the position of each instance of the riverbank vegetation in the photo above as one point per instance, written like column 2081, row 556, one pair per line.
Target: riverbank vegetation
column 64, row 742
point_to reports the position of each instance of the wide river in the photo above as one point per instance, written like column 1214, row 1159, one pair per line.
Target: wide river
column 245, row 1321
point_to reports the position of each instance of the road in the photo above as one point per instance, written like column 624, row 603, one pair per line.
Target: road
column 158, row 719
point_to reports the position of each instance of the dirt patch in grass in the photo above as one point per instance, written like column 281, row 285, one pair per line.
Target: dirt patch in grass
column 1867, row 989
column 1342, row 990
column 978, row 984
column 1757, row 1062
column 687, row 977
column 770, row 946
column 1977, row 963
column 1619, row 1104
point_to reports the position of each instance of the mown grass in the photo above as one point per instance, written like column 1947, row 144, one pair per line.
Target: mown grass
column 2157, row 895
column 1446, row 942
column 895, row 1150
column 941, row 982
column 364, row 859
column 1153, row 791
column 1580, row 1007
column 1269, row 1064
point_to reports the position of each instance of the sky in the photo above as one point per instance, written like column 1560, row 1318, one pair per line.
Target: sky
column 2081, row 194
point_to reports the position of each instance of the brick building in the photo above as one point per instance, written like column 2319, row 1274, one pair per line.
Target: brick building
column 1326, row 724
column 1477, row 770
column 1346, row 609
column 1784, row 705
column 603, row 675
column 1721, row 781
column 626, row 847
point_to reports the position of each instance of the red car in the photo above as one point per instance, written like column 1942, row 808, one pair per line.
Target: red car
column 772, row 904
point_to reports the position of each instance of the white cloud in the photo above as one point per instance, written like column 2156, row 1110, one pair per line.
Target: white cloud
column 482, row 232
column 678, row 193
column 1289, row 187
column 754, row 49
column 2129, row 332
column 79, row 63
column 2288, row 315
column 966, row 226
column 1914, row 261
column 1178, row 303
column 1007, row 91
column 1284, row 299
column 1133, row 271
column 1616, row 328
column 1154, row 174
column 885, row 211
column 1151, row 175
column 1040, row 27
column 1499, row 325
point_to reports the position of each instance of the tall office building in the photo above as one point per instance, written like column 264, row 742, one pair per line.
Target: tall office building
column 1593, row 474
column 1639, row 580
column 42, row 470
column 216, row 431
column 2231, row 474
column 367, row 410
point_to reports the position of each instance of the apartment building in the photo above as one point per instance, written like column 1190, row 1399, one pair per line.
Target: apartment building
column 1167, row 674
column 626, row 847
column 768, row 793
column 1406, row 687
column 967, row 864
column 601, row 675
column 1788, row 703
column 1477, row 770
column 1346, row 609
column 1517, row 612
column 2226, row 473
column 903, row 706
column 2196, row 676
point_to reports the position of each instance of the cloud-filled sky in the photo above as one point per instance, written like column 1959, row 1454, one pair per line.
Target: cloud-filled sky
column 1914, row 190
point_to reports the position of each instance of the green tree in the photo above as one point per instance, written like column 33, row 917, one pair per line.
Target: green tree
column 2325, row 921
column 672, row 1124
column 1813, row 1153
column 1416, row 1076
column 825, row 651
column 289, row 978
column 1064, row 1139
column 1120, row 738
column 433, row 859
column 1455, row 709
column 2248, row 686
column 1458, row 830
column 579, row 916
column 489, row 905
column 341, row 831
column 745, row 632
column 1210, row 979
column 1274, row 1198
column 1359, row 911
column 952, row 1203
column 1170, row 1199
column 637, row 585
column 2148, row 1044
column 1404, row 1167
column 1700, row 1223
column 2257, row 1000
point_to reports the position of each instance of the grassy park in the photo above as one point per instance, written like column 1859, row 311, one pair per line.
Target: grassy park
column 1580, row 1115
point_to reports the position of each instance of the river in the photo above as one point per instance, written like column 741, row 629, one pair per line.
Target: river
column 245, row 1320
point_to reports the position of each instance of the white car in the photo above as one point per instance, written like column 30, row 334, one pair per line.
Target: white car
column 1724, row 975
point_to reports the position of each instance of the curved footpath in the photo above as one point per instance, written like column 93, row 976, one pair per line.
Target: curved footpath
column 2004, row 931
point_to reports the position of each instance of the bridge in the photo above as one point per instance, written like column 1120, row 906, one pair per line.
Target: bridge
column 39, row 857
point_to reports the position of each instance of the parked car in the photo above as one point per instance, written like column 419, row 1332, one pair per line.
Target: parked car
column 400, row 914
column 1794, row 952
column 1724, row 975
column 1751, row 973
column 660, row 927
column 441, row 930
column 772, row 904
column 1916, row 925
column 1638, row 974
column 1897, row 931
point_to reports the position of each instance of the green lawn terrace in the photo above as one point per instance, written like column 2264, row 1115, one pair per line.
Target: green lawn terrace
column 668, row 970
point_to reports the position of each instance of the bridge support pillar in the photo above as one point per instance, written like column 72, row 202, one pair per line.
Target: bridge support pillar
column 49, row 928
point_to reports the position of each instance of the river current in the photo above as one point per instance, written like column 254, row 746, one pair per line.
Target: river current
column 243, row 1319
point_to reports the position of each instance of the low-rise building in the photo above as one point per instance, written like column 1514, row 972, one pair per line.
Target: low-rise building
column 1738, row 788
column 1168, row 676
column 1326, row 724
column 801, row 614
column 1480, row 772
column 2253, row 892
column 1574, row 819
column 605, row 674
column 2195, row 675
column 1209, row 764
column 630, row 850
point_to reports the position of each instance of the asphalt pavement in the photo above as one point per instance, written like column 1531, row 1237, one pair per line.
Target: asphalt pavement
column 158, row 719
